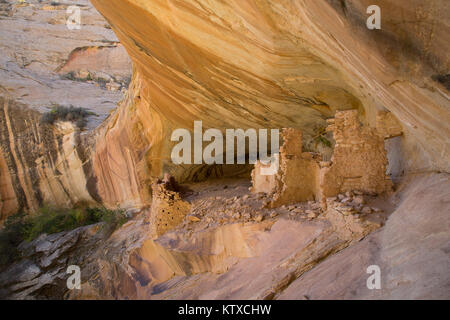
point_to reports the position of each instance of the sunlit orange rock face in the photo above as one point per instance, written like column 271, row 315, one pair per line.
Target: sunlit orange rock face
column 270, row 64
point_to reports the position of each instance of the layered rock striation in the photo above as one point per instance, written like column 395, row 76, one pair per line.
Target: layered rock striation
column 240, row 64
column 264, row 65
column 267, row 65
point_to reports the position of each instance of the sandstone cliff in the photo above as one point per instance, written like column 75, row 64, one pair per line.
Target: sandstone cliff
column 284, row 64
column 44, row 64
column 234, row 64
column 253, row 65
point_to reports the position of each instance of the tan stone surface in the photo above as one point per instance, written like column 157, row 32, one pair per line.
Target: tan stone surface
column 259, row 81
column 321, row 73
column 387, row 125
column 167, row 211
column 244, row 86
column 8, row 199
column 240, row 77
column 35, row 43
column 105, row 62
column 40, row 164
column 235, row 64
column 359, row 158
column 411, row 251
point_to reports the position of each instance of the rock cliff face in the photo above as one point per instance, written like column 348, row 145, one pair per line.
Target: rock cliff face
column 40, row 164
column 258, row 65
column 234, row 64
column 264, row 64
column 44, row 64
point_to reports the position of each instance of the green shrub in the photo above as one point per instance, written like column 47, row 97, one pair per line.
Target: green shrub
column 324, row 141
column 62, row 113
column 112, row 218
column 49, row 220
column 12, row 234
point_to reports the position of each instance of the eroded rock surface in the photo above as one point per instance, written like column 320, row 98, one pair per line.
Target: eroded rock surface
column 244, row 64
column 41, row 57
column 236, row 251
column 289, row 65
column 44, row 64
column 297, row 81
column 41, row 164
column 413, row 266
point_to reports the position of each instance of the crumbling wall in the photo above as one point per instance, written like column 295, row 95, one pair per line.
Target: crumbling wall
column 168, row 210
column 262, row 183
column 358, row 163
column 297, row 176
column 359, row 159
column 388, row 125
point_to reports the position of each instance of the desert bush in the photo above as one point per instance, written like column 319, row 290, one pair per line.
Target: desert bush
column 12, row 234
column 62, row 113
column 50, row 220
column 20, row 227
column 75, row 77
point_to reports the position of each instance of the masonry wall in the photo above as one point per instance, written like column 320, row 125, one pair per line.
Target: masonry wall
column 298, row 180
column 388, row 125
column 358, row 163
column 263, row 183
column 168, row 210
column 297, row 176
column 359, row 159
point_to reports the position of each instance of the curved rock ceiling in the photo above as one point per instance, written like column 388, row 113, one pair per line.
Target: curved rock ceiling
column 247, row 64
column 253, row 64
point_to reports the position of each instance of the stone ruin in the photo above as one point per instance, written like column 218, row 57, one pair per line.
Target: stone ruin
column 357, row 167
column 387, row 125
column 359, row 162
column 168, row 209
column 298, row 173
